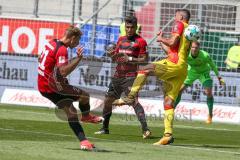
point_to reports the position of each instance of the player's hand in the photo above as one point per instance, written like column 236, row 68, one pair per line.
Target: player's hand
column 122, row 58
column 221, row 81
column 110, row 50
column 160, row 35
column 80, row 51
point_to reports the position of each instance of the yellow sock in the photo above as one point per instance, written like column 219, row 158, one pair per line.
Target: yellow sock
column 168, row 120
column 137, row 84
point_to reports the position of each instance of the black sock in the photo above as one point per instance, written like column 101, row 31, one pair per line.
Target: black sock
column 84, row 108
column 107, row 111
column 77, row 128
column 106, row 120
column 141, row 116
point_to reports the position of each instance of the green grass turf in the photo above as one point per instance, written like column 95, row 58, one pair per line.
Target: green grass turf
column 36, row 134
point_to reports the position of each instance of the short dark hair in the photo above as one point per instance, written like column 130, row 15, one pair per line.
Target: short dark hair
column 73, row 31
column 131, row 20
column 130, row 12
column 177, row 10
column 186, row 14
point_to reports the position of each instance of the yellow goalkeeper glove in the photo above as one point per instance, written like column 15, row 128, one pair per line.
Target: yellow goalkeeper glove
column 221, row 81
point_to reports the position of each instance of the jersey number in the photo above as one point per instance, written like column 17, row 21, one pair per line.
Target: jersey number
column 44, row 56
column 43, row 59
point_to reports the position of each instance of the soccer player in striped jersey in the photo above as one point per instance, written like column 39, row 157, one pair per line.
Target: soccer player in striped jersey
column 130, row 51
column 54, row 66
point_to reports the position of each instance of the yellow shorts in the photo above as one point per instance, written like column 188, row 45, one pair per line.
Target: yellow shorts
column 172, row 75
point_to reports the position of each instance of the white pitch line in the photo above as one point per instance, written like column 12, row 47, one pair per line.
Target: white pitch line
column 56, row 134
column 205, row 149
column 32, row 112
column 205, row 128
column 174, row 146
column 178, row 126
column 187, row 126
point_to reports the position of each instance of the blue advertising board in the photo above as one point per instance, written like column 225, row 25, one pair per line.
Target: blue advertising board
column 104, row 35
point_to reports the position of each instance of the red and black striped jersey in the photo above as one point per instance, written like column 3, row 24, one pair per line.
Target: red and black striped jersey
column 133, row 47
column 54, row 55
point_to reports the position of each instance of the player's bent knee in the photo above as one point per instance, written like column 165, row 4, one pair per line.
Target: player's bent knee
column 71, row 112
column 168, row 101
column 64, row 103
column 65, row 109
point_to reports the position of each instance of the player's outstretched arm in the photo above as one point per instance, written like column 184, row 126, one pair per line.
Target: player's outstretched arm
column 215, row 69
column 213, row 65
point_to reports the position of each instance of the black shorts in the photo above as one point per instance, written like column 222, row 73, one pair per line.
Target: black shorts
column 66, row 96
column 119, row 85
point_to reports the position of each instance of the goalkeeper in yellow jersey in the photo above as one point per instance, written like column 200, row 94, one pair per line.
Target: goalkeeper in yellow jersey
column 199, row 66
column 172, row 71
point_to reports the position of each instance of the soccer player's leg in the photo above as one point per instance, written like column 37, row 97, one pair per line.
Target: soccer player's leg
column 171, row 94
column 207, row 83
column 64, row 103
column 83, row 98
column 84, row 106
column 139, row 111
column 107, row 113
column 167, row 137
column 138, row 108
column 179, row 97
column 74, row 124
column 137, row 85
column 191, row 77
column 114, row 92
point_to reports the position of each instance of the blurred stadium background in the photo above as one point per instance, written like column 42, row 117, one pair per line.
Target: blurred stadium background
column 27, row 24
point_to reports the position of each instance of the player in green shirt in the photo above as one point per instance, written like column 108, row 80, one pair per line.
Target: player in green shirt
column 199, row 66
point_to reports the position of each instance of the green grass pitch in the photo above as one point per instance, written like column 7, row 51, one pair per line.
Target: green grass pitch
column 32, row 133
